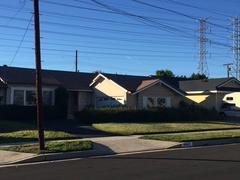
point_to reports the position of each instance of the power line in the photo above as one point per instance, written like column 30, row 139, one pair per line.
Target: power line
column 22, row 39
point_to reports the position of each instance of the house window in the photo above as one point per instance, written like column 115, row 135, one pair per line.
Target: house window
column 30, row 98
column 18, row 97
column 162, row 102
column 229, row 98
column 47, row 98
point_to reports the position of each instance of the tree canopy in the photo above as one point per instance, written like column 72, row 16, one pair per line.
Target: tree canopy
column 165, row 73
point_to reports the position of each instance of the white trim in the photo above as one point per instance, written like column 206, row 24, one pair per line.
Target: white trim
column 228, row 81
column 101, row 75
column 195, row 92
column 96, row 78
column 156, row 82
column 211, row 91
column 1, row 79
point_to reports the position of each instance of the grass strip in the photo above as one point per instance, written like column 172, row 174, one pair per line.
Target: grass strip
column 182, row 137
column 52, row 147
column 149, row 128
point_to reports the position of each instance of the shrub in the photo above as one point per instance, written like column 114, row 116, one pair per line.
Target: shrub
column 26, row 113
column 187, row 113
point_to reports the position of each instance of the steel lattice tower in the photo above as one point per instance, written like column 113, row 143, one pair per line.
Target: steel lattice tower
column 202, row 64
column 236, row 45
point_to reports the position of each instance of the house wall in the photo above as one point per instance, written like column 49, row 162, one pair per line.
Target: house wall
column 215, row 100
column 107, row 88
column 208, row 101
column 132, row 101
column 235, row 96
column 160, row 90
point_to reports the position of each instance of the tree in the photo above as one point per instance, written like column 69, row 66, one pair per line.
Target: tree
column 196, row 76
column 164, row 73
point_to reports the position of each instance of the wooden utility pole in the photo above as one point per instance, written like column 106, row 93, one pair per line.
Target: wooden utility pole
column 38, row 76
column 76, row 61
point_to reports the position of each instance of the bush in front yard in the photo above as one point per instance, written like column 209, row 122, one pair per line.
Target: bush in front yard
column 25, row 113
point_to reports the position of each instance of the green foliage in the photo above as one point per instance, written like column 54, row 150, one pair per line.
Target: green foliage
column 25, row 113
column 197, row 76
column 164, row 73
column 184, row 113
column 61, row 102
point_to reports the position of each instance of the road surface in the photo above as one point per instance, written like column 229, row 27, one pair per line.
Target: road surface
column 208, row 163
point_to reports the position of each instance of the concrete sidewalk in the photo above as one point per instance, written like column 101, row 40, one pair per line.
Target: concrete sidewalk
column 125, row 144
column 8, row 157
column 101, row 146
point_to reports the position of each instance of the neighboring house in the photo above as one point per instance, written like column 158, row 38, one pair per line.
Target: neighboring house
column 212, row 93
column 17, row 86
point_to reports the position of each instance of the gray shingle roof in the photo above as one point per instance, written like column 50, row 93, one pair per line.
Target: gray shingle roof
column 128, row 82
column 201, row 85
column 69, row 80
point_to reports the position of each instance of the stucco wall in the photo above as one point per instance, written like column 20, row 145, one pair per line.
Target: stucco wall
column 215, row 100
column 132, row 101
column 107, row 88
column 235, row 96
column 160, row 90
column 206, row 100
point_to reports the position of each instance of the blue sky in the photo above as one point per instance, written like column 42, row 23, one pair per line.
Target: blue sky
column 117, row 43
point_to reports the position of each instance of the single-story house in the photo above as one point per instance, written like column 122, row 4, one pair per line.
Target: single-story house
column 17, row 86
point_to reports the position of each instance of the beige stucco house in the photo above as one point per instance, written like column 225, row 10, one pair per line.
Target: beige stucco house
column 102, row 89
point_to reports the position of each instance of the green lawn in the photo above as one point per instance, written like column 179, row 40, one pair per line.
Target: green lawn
column 181, row 137
column 11, row 132
column 150, row 128
column 53, row 147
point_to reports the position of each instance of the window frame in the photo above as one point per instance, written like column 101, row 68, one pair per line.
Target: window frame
column 25, row 89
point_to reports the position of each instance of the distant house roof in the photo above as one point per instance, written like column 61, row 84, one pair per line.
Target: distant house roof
column 202, row 85
column 69, row 80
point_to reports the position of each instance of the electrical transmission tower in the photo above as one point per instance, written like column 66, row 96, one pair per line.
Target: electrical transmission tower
column 236, row 45
column 202, row 64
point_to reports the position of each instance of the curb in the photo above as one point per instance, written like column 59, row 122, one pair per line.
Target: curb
column 60, row 156
column 209, row 142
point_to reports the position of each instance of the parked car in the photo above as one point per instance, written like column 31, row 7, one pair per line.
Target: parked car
column 230, row 110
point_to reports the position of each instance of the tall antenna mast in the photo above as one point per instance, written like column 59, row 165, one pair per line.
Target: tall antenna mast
column 236, row 45
column 202, row 64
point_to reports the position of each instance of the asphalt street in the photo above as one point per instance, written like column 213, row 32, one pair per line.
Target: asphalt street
column 208, row 163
